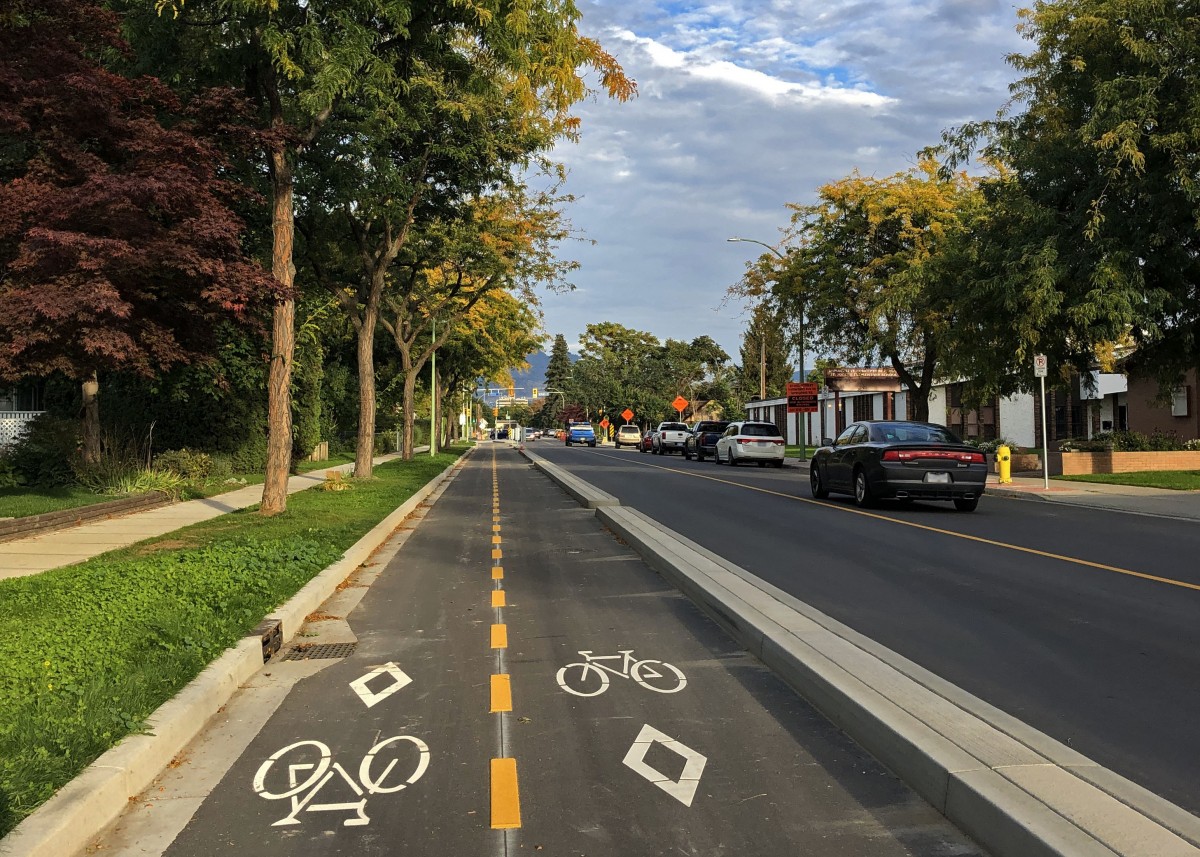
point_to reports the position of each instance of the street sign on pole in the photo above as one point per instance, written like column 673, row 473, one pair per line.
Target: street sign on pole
column 679, row 404
column 627, row 414
column 801, row 397
column 1040, row 365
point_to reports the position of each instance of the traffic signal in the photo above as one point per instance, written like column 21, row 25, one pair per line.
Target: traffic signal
column 511, row 391
column 535, row 392
column 495, row 410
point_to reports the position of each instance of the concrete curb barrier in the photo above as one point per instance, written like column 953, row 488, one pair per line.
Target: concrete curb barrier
column 1016, row 791
column 66, row 823
column 588, row 495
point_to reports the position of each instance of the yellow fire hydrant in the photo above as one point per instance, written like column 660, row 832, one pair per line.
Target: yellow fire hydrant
column 1004, row 460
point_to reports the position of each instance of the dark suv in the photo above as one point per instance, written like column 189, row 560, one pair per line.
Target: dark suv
column 702, row 441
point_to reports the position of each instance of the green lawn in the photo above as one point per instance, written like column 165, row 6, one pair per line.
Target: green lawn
column 90, row 651
column 23, row 502
column 1177, row 480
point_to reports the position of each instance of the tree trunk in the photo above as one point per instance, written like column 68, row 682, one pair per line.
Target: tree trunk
column 91, row 420
column 364, row 450
column 410, row 386
column 283, row 341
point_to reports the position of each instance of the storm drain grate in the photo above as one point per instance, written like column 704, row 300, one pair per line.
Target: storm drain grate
column 320, row 651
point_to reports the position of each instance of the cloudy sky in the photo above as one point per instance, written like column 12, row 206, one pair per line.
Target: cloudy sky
column 743, row 107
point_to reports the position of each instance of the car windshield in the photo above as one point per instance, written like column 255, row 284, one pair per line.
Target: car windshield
column 912, row 433
column 760, row 430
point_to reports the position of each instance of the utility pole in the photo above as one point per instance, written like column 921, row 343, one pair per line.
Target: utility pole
column 762, row 364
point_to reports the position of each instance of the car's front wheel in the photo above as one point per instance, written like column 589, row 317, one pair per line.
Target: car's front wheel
column 687, row 456
column 816, row 483
column 966, row 504
column 699, row 454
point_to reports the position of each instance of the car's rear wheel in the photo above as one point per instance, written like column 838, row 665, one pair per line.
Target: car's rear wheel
column 816, row 483
column 779, row 464
column 699, row 454
column 687, row 456
column 862, row 489
column 964, row 504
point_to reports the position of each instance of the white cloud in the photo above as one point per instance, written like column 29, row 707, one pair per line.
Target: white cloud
column 745, row 106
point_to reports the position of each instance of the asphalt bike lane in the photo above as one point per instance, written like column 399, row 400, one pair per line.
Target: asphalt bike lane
column 638, row 727
column 517, row 680
column 1082, row 649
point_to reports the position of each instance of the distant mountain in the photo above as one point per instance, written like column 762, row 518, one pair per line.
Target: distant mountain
column 535, row 376
column 526, row 380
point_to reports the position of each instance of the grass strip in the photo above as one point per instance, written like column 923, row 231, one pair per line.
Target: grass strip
column 24, row 502
column 91, row 650
column 1175, row 480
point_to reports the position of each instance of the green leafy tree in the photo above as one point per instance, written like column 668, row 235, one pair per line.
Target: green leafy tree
column 1091, row 231
column 764, row 344
column 558, row 375
column 873, row 271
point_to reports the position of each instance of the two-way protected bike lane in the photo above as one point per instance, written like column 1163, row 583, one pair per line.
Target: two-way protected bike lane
column 515, row 679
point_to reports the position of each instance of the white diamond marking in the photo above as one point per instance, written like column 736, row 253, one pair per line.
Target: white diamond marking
column 372, row 697
column 683, row 789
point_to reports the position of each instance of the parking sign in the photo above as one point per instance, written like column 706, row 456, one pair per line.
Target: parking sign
column 1039, row 365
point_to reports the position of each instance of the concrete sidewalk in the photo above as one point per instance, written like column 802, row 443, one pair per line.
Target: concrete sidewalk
column 57, row 548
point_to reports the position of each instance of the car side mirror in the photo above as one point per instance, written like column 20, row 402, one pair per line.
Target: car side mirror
column 826, row 441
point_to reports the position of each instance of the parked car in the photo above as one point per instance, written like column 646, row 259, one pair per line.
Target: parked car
column 888, row 459
column 702, row 441
column 581, row 433
column 749, row 440
column 647, row 443
column 628, row 435
column 669, row 437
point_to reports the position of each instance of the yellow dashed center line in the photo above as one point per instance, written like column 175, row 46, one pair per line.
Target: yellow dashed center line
column 499, row 636
column 506, row 801
column 505, row 795
column 501, row 693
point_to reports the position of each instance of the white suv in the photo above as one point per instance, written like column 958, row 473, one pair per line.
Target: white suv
column 628, row 435
column 751, row 441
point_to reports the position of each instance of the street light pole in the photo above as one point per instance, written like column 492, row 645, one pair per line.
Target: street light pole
column 763, row 358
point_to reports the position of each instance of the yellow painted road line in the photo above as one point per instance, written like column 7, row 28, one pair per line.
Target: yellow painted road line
column 980, row 539
column 506, row 801
column 501, row 694
column 498, row 599
column 497, row 572
column 499, row 636
column 495, row 528
column 497, row 553
column 495, row 540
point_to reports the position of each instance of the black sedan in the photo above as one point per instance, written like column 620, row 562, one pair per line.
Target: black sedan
column 876, row 460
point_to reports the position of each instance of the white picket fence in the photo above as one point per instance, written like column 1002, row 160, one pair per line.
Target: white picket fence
column 12, row 423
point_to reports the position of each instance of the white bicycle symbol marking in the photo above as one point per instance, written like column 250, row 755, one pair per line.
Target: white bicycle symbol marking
column 317, row 774
column 589, row 677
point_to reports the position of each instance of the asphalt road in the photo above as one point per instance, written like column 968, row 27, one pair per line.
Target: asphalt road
column 692, row 747
column 1083, row 623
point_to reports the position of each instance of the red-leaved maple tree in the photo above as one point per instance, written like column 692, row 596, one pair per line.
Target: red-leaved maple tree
column 118, row 247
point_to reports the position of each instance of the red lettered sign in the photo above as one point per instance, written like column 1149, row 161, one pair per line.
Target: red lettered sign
column 801, row 397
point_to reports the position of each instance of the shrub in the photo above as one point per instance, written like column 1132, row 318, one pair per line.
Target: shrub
column 189, row 464
column 1125, row 441
column 251, row 456
column 43, row 453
